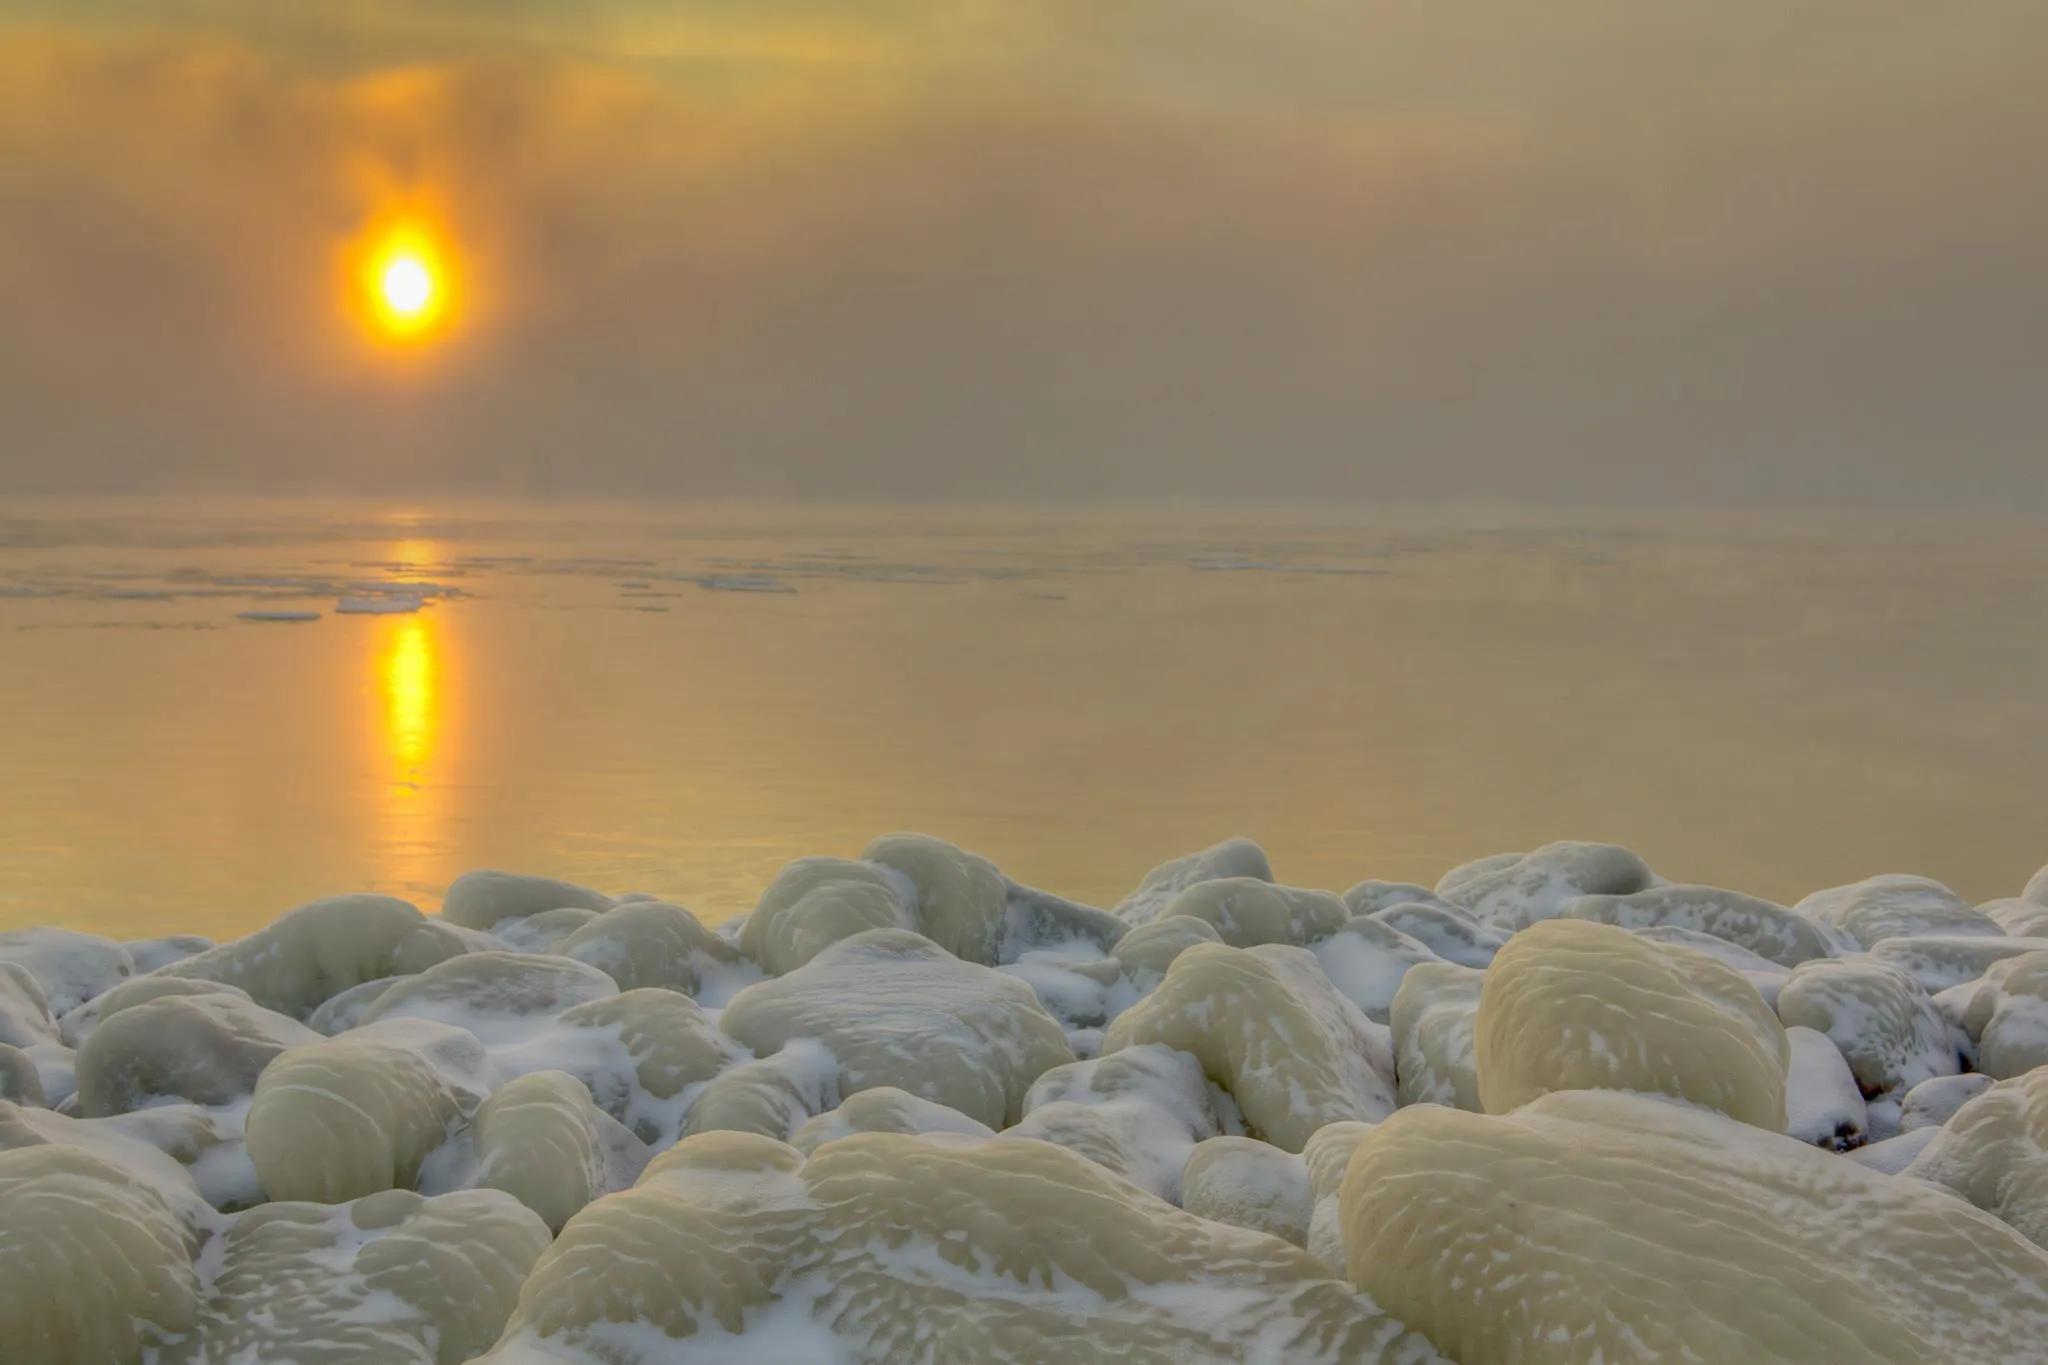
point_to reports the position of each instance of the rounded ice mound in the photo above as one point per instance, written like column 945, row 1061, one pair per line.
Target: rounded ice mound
column 323, row 948
column 1895, row 906
column 1770, row 931
column 1823, row 1104
column 817, row 902
column 886, row 1109
column 148, row 954
column 1452, row 934
column 1028, row 1255
column 2020, row 918
column 208, row 1049
column 1932, row 1104
column 650, row 943
column 961, row 899
column 1434, row 1018
column 1138, row 1113
column 1249, row 1184
column 1878, row 1017
column 71, row 967
column 346, row 1117
column 19, row 1079
column 1511, row 891
column 896, row 1009
column 1574, row 1005
column 542, row 933
column 1366, row 960
column 188, row 1155
column 1231, row 858
column 1249, row 911
column 394, row 1279
column 1767, row 976
column 2037, row 888
column 1371, row 897
column 95, row 1266
column 1939, row 961
column 498, row 996
column 1267, row 1026
column 1994, row 1153
column 769, row 1096
column 486, row 898
column 1601, row 1225
column 541, row 1140
column 1327, row 1156
column 80, row 1023
column 1148, row 950
column 2008, row 1014
column 25, row 1017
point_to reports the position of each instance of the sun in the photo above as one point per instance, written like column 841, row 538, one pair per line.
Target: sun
column 402, row 279
column 408, row 286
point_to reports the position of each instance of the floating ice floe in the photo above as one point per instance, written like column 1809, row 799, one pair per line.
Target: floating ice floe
column 279, row 616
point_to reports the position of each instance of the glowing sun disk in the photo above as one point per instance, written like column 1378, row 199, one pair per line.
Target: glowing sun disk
column 408, row 286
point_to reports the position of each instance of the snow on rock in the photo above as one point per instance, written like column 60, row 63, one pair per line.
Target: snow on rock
column 71, row 967
column 1249, row 911
column 886, row 1109
column 1895, row 1153
column 188, row 1154
column 545, row 932
column 1082, row 990
column 1433, row 1018
column 1148, row 950
column 1327, row 1156
column 542, row 1141
column 817, row 902
column 1138, row 1113
column 1887, row 1028
column 205, row 1048
column 500, row 997
column 1994, row 1153
column 1931, row 1104
column 1596, row 1225
column 1939, row 961
column 1895, row 906
column 1366, row 960
column 487, row 898
column 2007, row 1014
column 79, row 1024
column 653, row 943
column 148, row 954
column 1267, row 1026
column 313, row 953
column 1511, row 891
column 1452, row 934
column 1231, row 858
column 2018, row 917
column 768, row 1096
column 1782, row 936
column 1031, row 1254
column 1575, row 1005
column 1249, row 1184
column 346, row 1117
column 1767, row 976
column 1371, row 897
column 1823, row 1105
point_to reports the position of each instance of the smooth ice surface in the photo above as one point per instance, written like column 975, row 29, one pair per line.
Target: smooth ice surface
column 1249, row 1184
column 1434, row 1022
column 1823, row 1104
column 1511, row 891
column 1783, row 936
column 1231, row 858
column 1895, row 905
column 1994, row 1153
column 1449, row 932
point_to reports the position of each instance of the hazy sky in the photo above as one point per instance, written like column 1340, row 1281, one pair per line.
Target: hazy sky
column 1576, row 250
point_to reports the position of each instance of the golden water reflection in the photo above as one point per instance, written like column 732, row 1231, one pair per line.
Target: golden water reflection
column 409, row 686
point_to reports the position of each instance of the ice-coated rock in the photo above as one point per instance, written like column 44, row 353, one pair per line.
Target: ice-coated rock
column 1249, row 1184
column 1994, row 1153
column 25, row 1017
column 896, row 1009
column 651, row 943
column 324, row 947
column 148, row 954
column 1767, row 976
column 817, row 902
column 2018, row 917
column 187, row 1154
column 886, row 1109
column 1511, row 891
column 1365, row 961
column 769, row 1096
column 1576, row 1005
column 961, row 901
column 2007, row 1014
column 545, row 932
column 1371, row 897
column 1877, row 1017
column 1896, row 906
column 1138, row 1112
column 1080, row 991
column 486, row 898
column 1148, row 950
column 95, row 1264
column 1003, row 1252
column 393, row 1278
column 1231, row 858
column 1249, row 911
column 1894, row 1154
column 501, row 997
column 71, row 967
column 2037, row 888
column 1597, row 1225
column 80, row 1023
column 207, row 1049
column 19, row 1079
column 1327, row 1156
column 542, row 1141
column 1267, row 1026
column 1772, row 932
column 1823, row 1105
column 1452, row 934
column 346, row 1117
column 1434, row 1019
column 1939, row 961
column 1931, row 1104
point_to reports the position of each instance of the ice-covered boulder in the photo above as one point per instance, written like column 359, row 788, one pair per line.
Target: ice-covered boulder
column 651, row 943
column 393, row 1278
column 78, row 1025
column 1003, row 1252
column 1371, row 897
column 1138, row 1112
column 1877, row 1017
column 19, row 1079
column 187, row 1154
column 2037, row 888
column 1034, row 919
column 2007, row 1014
column 1939, row 961
column 1231, row 858
column 1994, row 1153
column 1148, row 950
column 2019, row 918
column 1783, row 936
column 1767, row 976
column 541, row 1140
column 1267, row 1025
column 1083, row 992
column 1896, row 906
column 817, row 902
column 960, row 899
column 1823, row 1104
column 771, row 1096
column 1366, row 960
column 71, row 967
column 1511, row 891
column 545, row 932
column 487, row 898
column 324, row 947
column 1327, row 1156
column 96, row 1266
column 206, row 1048
column 1249, row 1184
column 895, row 1008
column 1576, row 1005
column 886, row 1109
column 1933, row 1103
column 346, row 1117
column 499, row 996
column 1249, row 911
column 1597, row 1225
column 1452, row 934
column 25, row 1017
column 148, row 954
column 1434, row 1018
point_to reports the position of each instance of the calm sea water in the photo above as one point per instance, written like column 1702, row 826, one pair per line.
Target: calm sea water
column 1771, row 706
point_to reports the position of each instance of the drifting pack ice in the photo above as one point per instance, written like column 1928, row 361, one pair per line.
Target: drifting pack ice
column 1555, row 1110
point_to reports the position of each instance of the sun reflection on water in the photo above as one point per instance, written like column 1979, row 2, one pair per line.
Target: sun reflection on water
column 411, row 688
